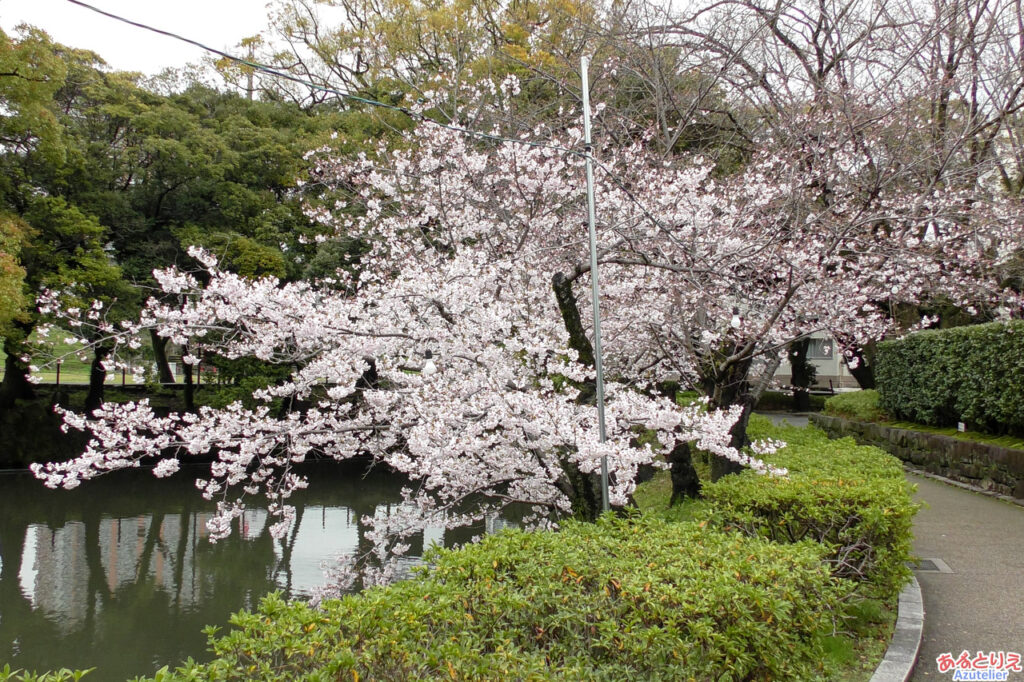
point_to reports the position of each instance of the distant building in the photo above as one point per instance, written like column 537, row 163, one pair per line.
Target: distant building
column 832, row 372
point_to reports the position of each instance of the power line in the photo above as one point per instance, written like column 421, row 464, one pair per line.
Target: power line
column 269, row 70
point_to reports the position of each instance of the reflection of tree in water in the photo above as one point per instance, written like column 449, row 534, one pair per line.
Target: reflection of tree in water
column 150, row 580
column 143, row 577
column 21, row 627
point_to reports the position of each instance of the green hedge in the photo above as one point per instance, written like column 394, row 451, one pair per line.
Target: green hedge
column 858, row 405
column 636, row 598
column 753, row 589
column 971, row 374
column 853, row 499
column 777, row 401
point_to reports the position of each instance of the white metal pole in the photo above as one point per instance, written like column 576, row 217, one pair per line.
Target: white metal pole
column 595, row 290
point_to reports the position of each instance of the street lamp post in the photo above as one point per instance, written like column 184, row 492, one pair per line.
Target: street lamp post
column 595, row 290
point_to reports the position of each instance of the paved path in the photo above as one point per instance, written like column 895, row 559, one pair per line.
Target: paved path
column 798, row 419
column 980, row 605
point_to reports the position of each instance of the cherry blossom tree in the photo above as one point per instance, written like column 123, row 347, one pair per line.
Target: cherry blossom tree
column 941, row 81
column 457, row 271
column 455, row 351
column 710, row 277
column 474, row 251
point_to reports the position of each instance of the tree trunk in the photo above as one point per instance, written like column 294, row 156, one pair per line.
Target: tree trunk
column 190, row 389
column 583, row 490
column 864, row 373
column 732, row 388
column 803, row 373
column 97, row 377
column 16, row 385
column 685, row 482
column 571, row 318
column 721, row 466
column 369, row 379
column 163, row 367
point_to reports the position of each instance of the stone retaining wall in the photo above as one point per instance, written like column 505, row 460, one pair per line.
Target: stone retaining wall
column 990, row 467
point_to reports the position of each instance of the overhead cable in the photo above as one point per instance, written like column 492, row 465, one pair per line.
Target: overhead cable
column 417, row 116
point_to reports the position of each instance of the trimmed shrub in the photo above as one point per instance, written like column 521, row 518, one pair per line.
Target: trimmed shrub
column 853, row 499
column 858, row 405
column 636, row 598
column 753, row 591
column 972, row 374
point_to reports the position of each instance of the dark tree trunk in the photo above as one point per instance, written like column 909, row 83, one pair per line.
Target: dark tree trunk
column 571, row 317
column 721, row 466
column 97, row 377
column 583, row 491
column 190, row 389
column 163, row 367
column 16, row 385
column 685, row 482
column 731, row 388
column 803, row 373
column 864, row 373
column 369, row 379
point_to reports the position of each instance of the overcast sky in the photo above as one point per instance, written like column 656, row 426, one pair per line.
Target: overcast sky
column 217, row 23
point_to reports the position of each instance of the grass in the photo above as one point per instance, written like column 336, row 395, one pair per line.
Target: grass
column 862, row 406
column 862, row 646
column 778, row 401
column 73, row 370
column 770, row 401
column 1013, row 442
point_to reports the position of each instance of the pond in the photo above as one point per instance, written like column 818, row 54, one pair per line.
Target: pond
column 118, row 574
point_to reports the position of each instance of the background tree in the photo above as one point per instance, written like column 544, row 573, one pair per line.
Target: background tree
column 61, row 244
column 13, row 301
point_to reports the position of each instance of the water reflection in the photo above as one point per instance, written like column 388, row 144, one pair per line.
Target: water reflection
column 118, row 574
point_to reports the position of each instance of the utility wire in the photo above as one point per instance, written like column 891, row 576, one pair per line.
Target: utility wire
column 345, row 95
column 416, row 116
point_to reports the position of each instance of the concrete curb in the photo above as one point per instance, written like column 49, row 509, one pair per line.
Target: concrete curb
column 901, row 655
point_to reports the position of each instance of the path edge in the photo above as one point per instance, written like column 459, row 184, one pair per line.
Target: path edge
column 901, row 655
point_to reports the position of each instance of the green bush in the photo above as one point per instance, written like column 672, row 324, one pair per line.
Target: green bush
column 62, row 675
column 752, row 590
column 636, row 598
column 971, row 374
column 857, row 405
column 853, row 499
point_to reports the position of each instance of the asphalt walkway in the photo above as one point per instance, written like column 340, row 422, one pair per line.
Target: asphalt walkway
column 977, row 605
column 972, row 571
column 971, row 548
